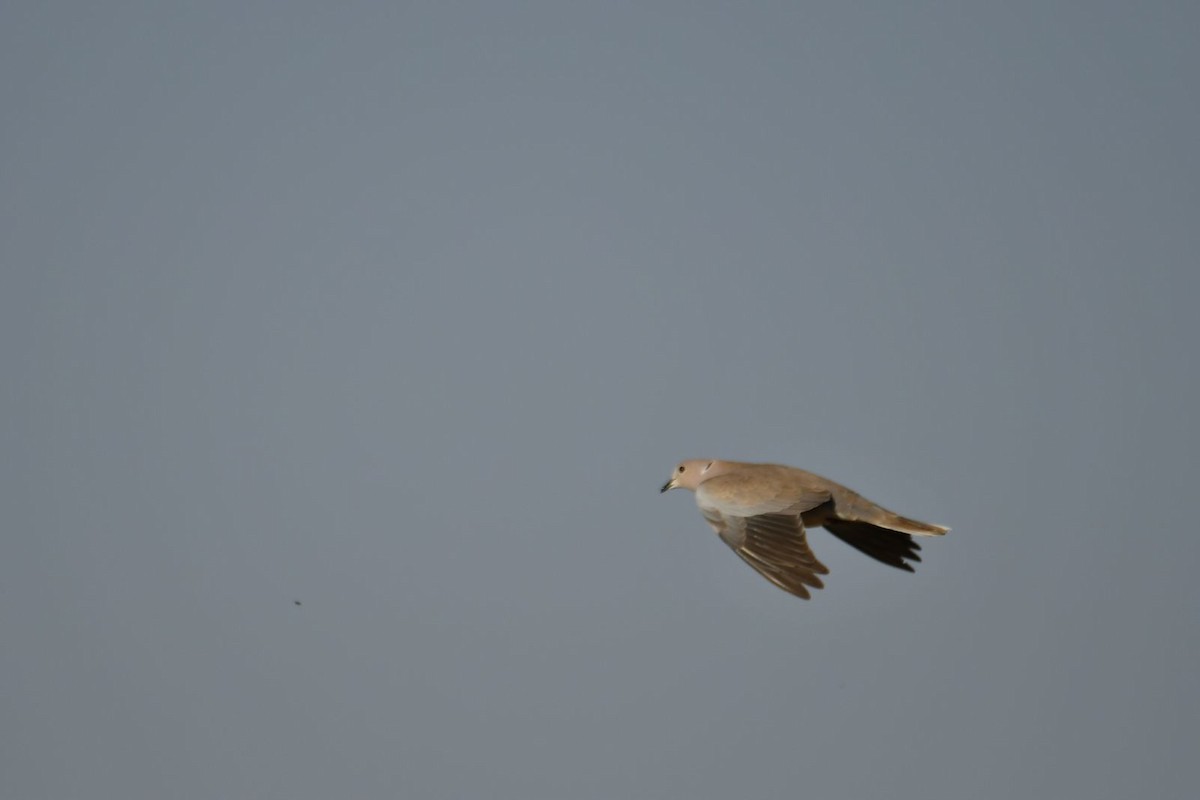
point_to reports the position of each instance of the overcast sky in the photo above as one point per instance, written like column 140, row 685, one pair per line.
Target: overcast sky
column 405, row 311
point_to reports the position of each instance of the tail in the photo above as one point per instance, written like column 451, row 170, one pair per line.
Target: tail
column 853, row 507
column 913, row 527
column 872, row 529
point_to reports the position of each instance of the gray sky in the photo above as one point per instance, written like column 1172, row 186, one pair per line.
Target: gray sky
column 405, row 311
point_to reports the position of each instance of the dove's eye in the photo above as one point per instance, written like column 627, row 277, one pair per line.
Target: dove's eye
column 681, row 468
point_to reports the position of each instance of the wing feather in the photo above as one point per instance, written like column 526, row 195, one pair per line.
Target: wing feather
column 891, row 547
column 775, row 546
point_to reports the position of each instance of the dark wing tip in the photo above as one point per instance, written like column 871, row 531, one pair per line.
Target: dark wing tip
column 885, row 545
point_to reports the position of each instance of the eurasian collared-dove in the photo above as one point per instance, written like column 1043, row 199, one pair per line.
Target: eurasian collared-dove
column 761, row 511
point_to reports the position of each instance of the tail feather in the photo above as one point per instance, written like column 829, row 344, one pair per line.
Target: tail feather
column 853, row 507
column 872, row 529
column 901, row 524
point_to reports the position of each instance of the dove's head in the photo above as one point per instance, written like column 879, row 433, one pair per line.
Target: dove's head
column 691, row 473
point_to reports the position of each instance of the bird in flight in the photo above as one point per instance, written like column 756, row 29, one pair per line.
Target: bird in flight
column 762, row 510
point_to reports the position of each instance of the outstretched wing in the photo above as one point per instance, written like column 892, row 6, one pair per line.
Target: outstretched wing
column 882, row 544
column 776, row 547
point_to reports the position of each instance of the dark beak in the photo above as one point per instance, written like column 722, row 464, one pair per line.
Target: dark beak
column 668, row 485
